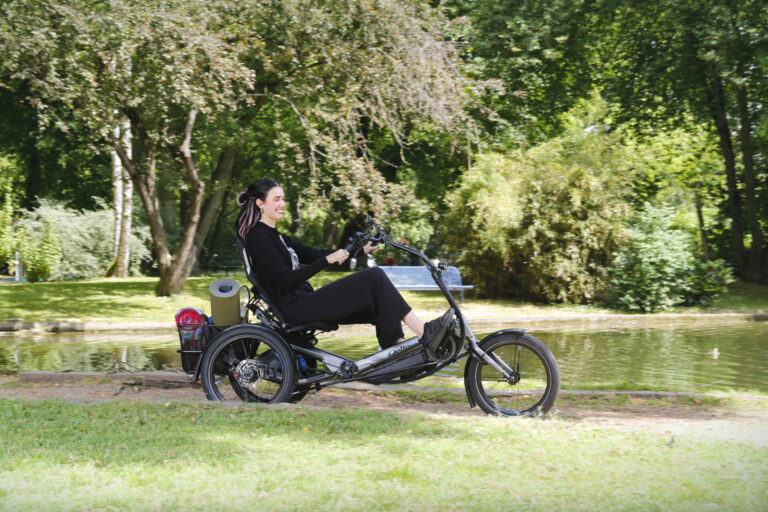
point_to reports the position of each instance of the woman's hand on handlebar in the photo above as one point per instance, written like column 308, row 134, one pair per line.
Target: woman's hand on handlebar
column 369, row 248
column 337, row 257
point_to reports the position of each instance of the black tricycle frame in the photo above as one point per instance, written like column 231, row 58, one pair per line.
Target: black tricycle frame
column 401, row 363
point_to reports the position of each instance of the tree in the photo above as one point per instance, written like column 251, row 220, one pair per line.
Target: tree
column 122, row 187
column 192, row 75
column 544, row 54
column 680, row 167
column 49, row 162
column 707, row 59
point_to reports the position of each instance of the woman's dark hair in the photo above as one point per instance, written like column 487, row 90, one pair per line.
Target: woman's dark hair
column 250, row 212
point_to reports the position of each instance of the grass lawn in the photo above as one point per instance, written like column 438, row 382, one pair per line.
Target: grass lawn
column 177, row 456
column 133, row 300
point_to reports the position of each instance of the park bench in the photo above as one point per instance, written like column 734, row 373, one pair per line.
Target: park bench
column 419, row 279
column 217, row 264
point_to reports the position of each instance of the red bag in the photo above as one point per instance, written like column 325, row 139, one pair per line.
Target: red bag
column 194, row 334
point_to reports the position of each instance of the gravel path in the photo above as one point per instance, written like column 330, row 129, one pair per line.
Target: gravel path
column 741, row 420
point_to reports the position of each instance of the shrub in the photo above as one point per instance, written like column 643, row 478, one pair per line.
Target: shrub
column 659, row 269
column 707, row 280
column 542, row 223
column 84, row 240
column 40, row 251
column 8, row 242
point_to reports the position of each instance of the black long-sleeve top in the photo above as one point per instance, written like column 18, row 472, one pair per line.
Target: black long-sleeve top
column 272, row 262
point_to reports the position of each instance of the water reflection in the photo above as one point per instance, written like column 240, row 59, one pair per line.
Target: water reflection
column 689, row 356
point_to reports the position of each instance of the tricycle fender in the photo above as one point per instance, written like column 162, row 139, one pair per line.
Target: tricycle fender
column 470, row 398
column 256, row 329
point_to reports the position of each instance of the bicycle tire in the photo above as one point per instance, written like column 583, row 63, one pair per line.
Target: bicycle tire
column 248, row 363
column 531, row 391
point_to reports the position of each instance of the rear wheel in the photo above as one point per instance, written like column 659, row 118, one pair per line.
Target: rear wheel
column 533, row 379
column 248, row 363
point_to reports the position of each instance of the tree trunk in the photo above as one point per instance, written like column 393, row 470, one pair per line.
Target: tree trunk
column 123, row 190
column 213, row 233
column 222, row 178
column 753, row 269
column 123, row 257
column 331, row 230
column 702, row 229
column 117, row 196
column 34, row 179
column 717, row 108
column 172, row 277
column 144, row 177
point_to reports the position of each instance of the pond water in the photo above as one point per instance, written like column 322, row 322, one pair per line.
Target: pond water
column 686, row 356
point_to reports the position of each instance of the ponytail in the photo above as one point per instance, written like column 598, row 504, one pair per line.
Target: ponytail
column 250, row 212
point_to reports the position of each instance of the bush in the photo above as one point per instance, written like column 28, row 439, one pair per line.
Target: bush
column 8, row 242
column 542, row 223
column 659, row 268
column 40, row 251
column 74, row 243
column 707, row 280
column 651, row 274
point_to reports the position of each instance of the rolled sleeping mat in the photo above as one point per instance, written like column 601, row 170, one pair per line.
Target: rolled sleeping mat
column 225, row 302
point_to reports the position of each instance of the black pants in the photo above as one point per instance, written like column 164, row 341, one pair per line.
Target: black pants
column 367, row 296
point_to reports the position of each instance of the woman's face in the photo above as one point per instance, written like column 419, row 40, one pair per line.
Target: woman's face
column 273, row 206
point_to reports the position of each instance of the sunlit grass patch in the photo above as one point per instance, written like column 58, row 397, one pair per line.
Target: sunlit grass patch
column 124, row 456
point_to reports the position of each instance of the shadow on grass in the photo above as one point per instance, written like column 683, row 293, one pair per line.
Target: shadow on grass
column 139, row 432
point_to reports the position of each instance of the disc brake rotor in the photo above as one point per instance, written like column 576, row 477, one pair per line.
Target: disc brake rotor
column 248, row 372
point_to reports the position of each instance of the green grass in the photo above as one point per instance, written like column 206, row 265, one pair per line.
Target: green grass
column 743, row 296
column 137, row 456
column 133, row 299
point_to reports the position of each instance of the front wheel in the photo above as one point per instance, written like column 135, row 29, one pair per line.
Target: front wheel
column 532, row 382
column 248, row 363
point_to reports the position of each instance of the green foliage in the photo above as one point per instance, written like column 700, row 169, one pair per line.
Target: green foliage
column 707, row 281
column 659, row 268
column 542, row 58
column 543, row 222
column 676, row 165
column 74, row 244
column 8, row 242
column 195, row 77
column 651, row 274
column 40, row 251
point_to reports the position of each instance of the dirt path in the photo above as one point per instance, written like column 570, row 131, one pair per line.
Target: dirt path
column 742, row 419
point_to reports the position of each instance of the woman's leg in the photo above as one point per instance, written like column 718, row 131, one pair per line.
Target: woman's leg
column 415, row 323
column 368, row 294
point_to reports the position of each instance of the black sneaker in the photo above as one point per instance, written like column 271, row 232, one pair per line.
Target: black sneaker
column 434, row 330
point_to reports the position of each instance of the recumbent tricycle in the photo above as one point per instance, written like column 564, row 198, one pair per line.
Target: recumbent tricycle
column 507, row 373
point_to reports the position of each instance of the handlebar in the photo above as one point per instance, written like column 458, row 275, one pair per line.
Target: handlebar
column 372, row 232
